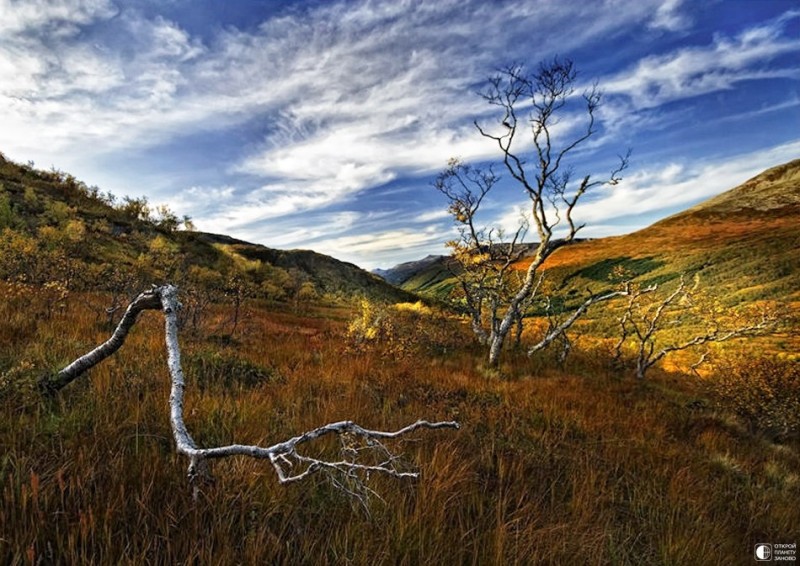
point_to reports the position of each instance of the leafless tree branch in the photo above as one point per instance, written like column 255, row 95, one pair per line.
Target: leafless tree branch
column 145, row 301
column 643, row 325
column 542, row 170
column 289, row 463
column 559, row 329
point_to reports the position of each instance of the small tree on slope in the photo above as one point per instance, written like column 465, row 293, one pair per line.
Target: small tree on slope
column 535, row 103
column 653, row 326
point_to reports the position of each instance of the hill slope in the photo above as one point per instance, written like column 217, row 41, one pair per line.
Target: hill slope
column 775, row 188
column 328, row 274
column 51, row 212
column 745, row 241
column 401, row 272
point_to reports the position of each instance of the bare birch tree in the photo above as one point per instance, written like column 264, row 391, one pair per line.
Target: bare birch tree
column 483, row 255
column 653, row 327
column 535, row 103
column 349, row 473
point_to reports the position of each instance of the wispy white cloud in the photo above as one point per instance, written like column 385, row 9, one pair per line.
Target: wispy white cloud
column 673, row 186
column 386, row 248
column 78, row 93
column 670, row 17
column 352, row 94
column 792, row 102
column 59, row 17
column 200, row 200
column 692, row 71
column 652, row 193
column 431, row 215
column 336, row 98
column 289, row 233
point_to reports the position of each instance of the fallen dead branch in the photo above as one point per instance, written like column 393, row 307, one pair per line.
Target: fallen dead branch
column 348, row 473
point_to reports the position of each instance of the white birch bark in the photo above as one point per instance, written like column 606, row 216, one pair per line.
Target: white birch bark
column 290, row 465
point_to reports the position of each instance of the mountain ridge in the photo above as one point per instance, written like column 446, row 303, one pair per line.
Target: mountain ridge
column 774, row 188
column 402, row 271
column 123, row 234
column 745, row 240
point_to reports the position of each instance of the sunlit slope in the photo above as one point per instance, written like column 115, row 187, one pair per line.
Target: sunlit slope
column 773, row 189
column 744, row 242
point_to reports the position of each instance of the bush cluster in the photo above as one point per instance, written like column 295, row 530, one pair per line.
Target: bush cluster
column 402, row 329
column 763, row 390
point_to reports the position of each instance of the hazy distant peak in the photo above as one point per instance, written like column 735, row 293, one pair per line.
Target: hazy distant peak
column 401, row 272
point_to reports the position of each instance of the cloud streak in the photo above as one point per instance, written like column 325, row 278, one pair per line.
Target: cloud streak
column 675, row 187
column 693, row 71
column 345, row 87
column 322, row 105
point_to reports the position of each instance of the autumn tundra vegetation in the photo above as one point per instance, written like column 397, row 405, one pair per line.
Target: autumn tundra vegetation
column 563, row 454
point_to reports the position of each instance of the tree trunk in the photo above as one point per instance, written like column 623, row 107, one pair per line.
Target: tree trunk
column 515, row 307
column 289, row 464
column 641, row 368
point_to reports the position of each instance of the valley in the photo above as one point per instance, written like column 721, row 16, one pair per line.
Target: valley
column 556, row 462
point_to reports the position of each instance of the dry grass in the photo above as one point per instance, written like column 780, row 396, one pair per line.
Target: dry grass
column 573, row 466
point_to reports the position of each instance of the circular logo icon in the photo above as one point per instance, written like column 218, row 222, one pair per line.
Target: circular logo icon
column 763, row 552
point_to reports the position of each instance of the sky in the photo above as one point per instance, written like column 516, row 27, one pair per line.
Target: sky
column 322, row 125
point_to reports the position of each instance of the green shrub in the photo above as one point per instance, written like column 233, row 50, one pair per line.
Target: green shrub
column 219, row 369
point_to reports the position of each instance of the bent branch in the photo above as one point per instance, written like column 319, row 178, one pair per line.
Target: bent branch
column 284, row 456
column 149, row 300
column 558, row 330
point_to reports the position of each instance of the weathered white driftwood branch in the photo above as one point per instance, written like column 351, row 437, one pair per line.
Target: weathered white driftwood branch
column 289, row 464
column 148, row 300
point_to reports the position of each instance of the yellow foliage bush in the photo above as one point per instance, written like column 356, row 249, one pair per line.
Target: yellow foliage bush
column 401, row 329
column 368, row 324
column 419, row 308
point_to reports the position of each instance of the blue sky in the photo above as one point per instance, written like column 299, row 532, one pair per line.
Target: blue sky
column 321, row 125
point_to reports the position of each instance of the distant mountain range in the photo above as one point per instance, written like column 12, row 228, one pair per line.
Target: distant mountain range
column 401, row 272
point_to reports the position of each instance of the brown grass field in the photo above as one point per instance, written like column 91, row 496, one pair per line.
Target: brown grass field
column 572, row 465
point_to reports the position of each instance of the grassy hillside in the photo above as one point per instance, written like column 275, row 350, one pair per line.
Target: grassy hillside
column 556, row 463
column 49, row 209
column 568, row 465
column 744, row 242
column 329, row 275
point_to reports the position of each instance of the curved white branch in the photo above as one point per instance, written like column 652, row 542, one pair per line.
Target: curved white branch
column 283, row 455
column 147, row 300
